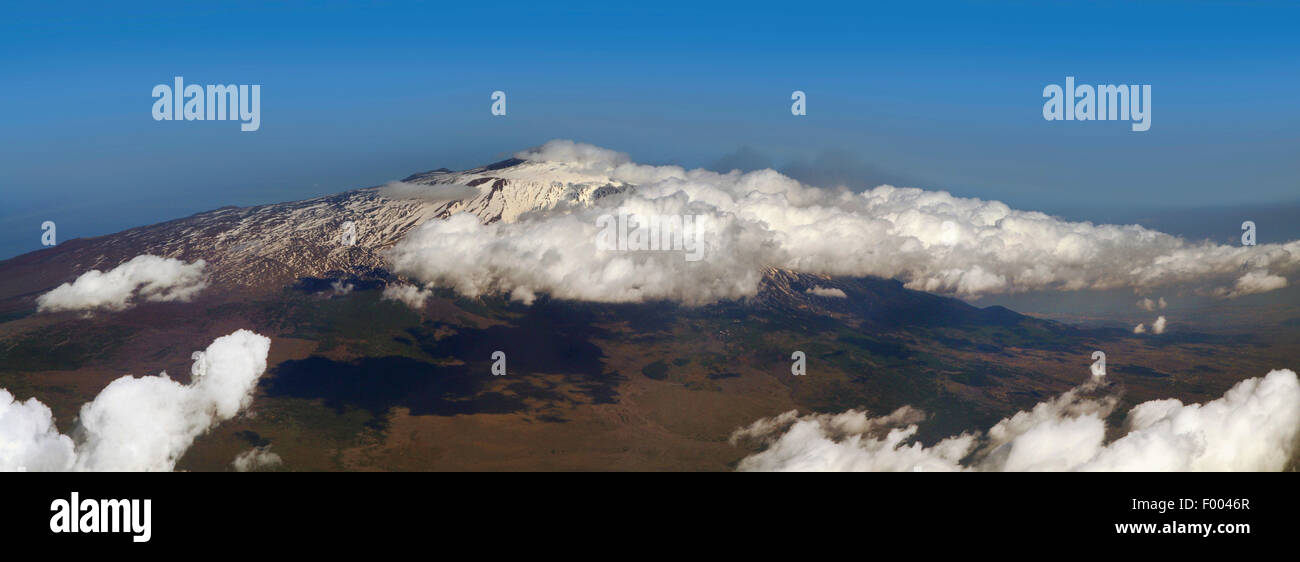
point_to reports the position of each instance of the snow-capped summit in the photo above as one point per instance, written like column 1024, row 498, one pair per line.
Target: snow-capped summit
column 510, row 188
column 268, row 247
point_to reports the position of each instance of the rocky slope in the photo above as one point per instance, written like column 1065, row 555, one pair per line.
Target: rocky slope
column 267, row 247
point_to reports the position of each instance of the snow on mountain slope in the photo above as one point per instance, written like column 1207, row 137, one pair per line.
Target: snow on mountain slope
column 268, row 247
column 510, row 188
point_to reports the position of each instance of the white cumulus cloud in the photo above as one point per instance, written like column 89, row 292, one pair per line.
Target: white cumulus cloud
column 1252, row 427
column 137, row 423
column 405, row 293
column 1151, row 305
column 830, row 292
column 1157, row 326
column 1251, row 283
column 151, row 278
column 257, row 458
column 29, row 441
column 931, row 240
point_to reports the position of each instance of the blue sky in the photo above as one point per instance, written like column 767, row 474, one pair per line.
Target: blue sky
column 942, row 95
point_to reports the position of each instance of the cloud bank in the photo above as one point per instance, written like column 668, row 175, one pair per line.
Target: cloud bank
column 151, row 278
column 931, row 240
column 137, row 424
column 1253, row 427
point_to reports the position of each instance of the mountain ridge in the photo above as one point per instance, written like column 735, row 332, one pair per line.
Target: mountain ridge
column 266, row 248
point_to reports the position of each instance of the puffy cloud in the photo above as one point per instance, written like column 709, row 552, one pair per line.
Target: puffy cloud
column 29, row 441
column 149, row 277
column 1157, row 327
column 257, row 458
column 410, row 295
column 340, row 288
column 138, row 424
column 1253, row 282
column 1252, row 427
column 1150, row 305
column 433, row 193
column 830, row 292
column 931, row 240
column 812, row 442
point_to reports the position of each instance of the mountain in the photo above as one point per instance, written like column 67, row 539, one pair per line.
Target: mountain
column 360, row 382
column 264, row 248
column 261, row 250
column 513, row 187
